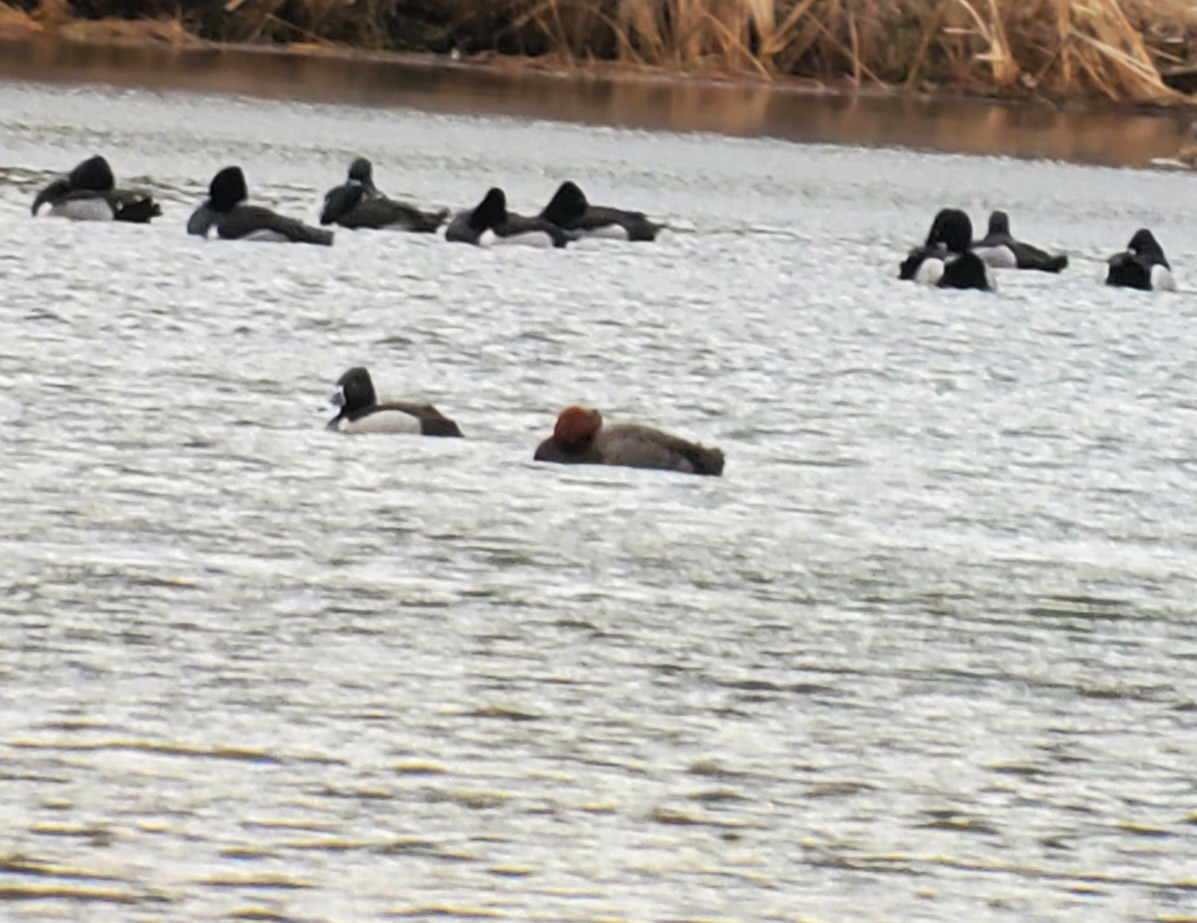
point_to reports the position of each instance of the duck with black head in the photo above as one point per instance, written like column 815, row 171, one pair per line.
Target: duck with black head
column 580, row 438
column 1141, row 265
column 358, row 203
column 489, row 222
column 225, row 209
column 999, row 249
column 570, row 210
column 89, row 193
column 360, row 411
column 946, row 259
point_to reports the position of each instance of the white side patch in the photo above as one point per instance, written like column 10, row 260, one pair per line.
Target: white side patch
column 527, row 239
column 265, row 236
column 1161, row 279
column 930, row 271
column 998, row 257
column 608, row 232
column 382, row 421
column 96, row 209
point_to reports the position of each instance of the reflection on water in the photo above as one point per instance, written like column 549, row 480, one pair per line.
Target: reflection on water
column 800, row 114
column 925, row 652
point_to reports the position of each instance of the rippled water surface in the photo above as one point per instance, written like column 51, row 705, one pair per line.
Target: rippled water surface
column 925, row 652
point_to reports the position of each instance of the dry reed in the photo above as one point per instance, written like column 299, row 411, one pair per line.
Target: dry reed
column 1113, row 49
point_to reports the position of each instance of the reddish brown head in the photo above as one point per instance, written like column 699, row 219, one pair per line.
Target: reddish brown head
column 576, row 426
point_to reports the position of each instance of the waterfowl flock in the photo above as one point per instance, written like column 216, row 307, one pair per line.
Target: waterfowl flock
column 949, row 257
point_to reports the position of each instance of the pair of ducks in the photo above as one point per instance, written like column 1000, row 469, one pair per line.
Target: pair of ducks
column 358, row 203
column 579, row 436
column 89, row 193
column 949, row 258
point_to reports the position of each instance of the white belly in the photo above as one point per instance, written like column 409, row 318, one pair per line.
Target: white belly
column 930, row 271
column 96, row 209
column 265, row 236
column 382, row 421
column 525, row 239
column 997, row 257
column 607, row 232
column 1162, row 279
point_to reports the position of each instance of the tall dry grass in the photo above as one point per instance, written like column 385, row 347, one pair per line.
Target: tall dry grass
column 1058, row 47
column 1113, row 49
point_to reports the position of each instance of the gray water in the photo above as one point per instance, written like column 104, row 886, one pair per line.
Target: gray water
column 925, row 652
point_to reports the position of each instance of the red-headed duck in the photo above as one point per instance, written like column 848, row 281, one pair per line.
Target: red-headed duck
column 579, row 438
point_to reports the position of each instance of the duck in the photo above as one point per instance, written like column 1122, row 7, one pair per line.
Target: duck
column 360, row 411
column 234, row 220
column 1141, row 265
column 358, row 203
column 89, row 193
column 946, row 260
column 490, row 222
column 999, row 249
column 570, row 210
column 580, row 438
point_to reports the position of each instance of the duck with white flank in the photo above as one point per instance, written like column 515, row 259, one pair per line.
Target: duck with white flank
column 1141, row 265
column 579, row 438
column 946, row 259
column 234, row 220
column 361, row 412
column 999, row 249
column 570, row 210
column 358, row 203
column 490, row 223
column 89, row 193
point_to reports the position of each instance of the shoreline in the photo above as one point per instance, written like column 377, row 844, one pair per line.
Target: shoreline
column 1116, row 134
column 1057, row 51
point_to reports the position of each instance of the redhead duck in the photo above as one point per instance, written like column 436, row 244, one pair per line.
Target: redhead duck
column 579, row 438
column 358, row 203
column 999, row 249
column 89, row 193
column 234, row 220
column 361, row 412
column 570, row 210
column 946, row 259
column 1141, row 265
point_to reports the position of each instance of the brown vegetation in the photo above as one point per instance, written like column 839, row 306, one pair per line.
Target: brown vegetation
column 1114, row 49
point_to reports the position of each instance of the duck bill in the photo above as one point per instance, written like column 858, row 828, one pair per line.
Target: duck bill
column 201, row 220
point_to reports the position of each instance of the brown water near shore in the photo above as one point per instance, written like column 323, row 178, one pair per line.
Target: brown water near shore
column 791, row 111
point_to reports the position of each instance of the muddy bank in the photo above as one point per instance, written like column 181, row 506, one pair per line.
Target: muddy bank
column 1123, row 51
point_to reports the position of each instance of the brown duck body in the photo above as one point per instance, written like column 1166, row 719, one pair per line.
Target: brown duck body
column 580, row 438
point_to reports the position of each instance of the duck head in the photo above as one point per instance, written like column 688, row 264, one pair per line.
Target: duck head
column 567, row 206
column 576, row 427
column 354, row 390
column 226, row 191
column 953, row 229
column 1145, row 244
column 362, row 171
column 490, row 212
column 94, row 175
column 999, row 223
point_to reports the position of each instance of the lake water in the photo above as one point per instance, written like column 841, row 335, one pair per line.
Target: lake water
column 926, row 651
